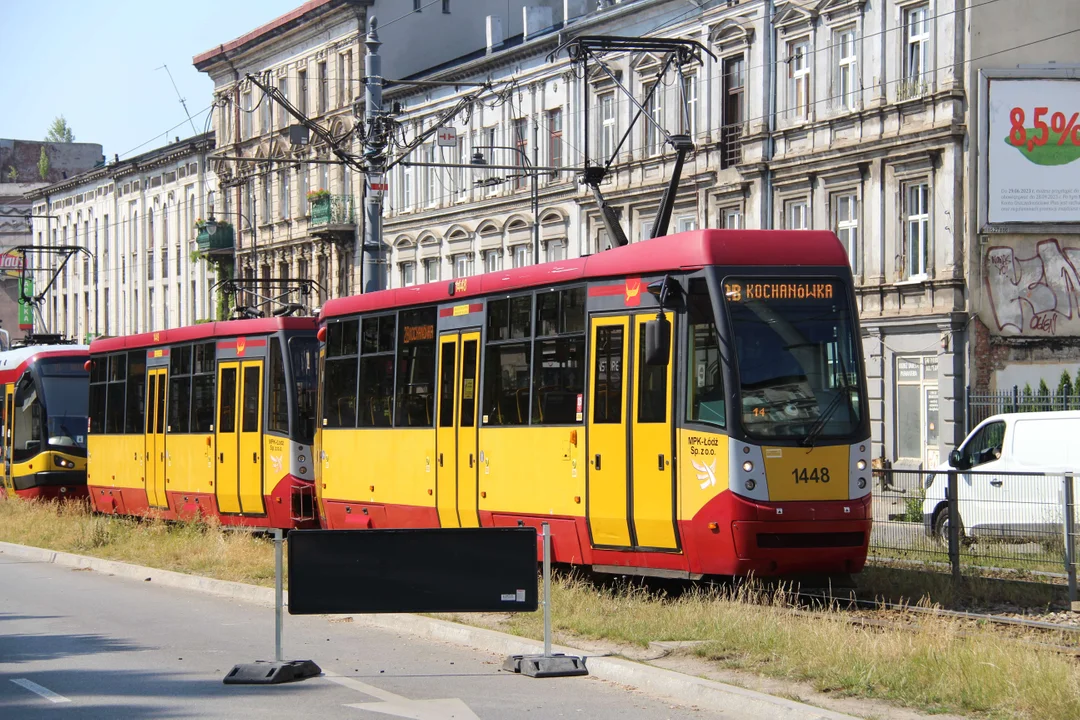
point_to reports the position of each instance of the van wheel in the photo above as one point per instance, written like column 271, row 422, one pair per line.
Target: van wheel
column 941, row 529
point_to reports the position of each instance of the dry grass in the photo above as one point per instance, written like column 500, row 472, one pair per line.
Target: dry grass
column 944, row 667
column 200, row 548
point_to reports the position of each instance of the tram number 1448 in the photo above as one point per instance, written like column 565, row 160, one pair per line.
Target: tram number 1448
column 817, row 475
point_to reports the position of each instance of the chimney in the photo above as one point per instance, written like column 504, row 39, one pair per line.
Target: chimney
column 535, row 20
column 494, row 32
column 573, row 9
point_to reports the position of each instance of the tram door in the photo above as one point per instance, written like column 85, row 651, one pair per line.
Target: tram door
column 457, row 470
column 631, row 486
column 156, row 382
column 238, row 434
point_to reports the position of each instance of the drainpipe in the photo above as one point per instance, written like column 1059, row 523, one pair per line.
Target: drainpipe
column 769, row 149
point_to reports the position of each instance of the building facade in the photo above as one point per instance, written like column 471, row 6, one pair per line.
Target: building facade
column 21, row 172
column 137, row 221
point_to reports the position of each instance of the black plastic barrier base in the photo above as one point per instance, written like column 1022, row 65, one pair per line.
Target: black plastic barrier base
column 545, row 666
column 264, row 672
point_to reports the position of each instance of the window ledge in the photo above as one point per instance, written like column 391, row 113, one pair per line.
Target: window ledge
column 916, row 280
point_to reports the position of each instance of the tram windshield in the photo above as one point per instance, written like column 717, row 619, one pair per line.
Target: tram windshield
column 798, row 362
column 305, row 370
column 64, row 384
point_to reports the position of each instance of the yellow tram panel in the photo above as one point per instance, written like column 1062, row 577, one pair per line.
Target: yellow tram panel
column 534, row 470
column 123, row 456
column 189, row 466
column 399, row 463
column 798, row 473
column 702, row 470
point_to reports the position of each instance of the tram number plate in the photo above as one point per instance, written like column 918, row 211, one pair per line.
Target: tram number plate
column 812, row 475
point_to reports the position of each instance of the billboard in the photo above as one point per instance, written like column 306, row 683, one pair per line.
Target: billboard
column 1031, row 147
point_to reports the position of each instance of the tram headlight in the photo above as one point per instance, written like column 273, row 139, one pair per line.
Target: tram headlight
column 64, row 462
column 303, row 459
column 861, row 465
column 862, row 483
column 748, row 466
column 750, row 485
column 303, row 470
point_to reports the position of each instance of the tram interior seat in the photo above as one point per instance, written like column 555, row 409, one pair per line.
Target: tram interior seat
column 346, row 410
column 379, row 411
column 556, row 405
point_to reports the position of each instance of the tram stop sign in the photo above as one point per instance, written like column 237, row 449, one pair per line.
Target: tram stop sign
column 412, row 571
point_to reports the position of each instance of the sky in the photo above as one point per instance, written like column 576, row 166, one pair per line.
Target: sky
column 96, row 63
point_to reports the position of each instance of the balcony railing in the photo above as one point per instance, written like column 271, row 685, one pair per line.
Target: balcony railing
column 731, row 139
column 333, row 210
column 911, row 89
column 221, row 240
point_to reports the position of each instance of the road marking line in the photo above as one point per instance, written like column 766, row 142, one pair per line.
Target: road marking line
column 384, row 695
column 42, row 691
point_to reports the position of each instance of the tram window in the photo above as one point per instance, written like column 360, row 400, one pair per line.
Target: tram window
column 447, row 371
column 160, row 413
column 304, row 356
column 114, row 401
column 378, row 335
column 205, row 357
column 26, row 428
column 560, row 312
column 506, row 384
column 607, row 390
column 376, row 390
column 498, row 320
column 117, row 368
column 414, row 404
column 558, row 380
column 468, row 383
column 180, row 361
column 341, row 338
column 652, row 387
column 705, row 401
column 98, row 394
column 279, row 398
column 510, row 319
column 520, row 317
column 202, row 403
column 136, row 393
column 99, row 370
column 227, row 410
column 252, row 391
column 339, row 401
column 179, row 404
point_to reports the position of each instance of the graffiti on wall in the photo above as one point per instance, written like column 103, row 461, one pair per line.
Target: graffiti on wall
column 1034, row 295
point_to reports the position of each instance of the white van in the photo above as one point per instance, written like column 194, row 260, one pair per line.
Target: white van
column 1008, row 506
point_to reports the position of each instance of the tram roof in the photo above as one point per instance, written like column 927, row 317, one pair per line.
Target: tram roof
column 204, row 331
column 683, row 251
column 17, row 358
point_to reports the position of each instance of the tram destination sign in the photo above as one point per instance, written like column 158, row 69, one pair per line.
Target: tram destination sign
column 745, row 291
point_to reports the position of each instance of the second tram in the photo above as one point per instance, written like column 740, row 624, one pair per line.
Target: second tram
column 215, row 419
column 685, row 406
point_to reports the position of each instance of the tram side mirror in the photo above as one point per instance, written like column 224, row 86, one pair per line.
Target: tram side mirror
column 657, row 341
column 25, row 384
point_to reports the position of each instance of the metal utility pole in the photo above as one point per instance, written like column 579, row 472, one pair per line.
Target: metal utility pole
column 371, row 265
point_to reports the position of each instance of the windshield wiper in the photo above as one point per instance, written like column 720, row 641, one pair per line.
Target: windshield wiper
column 819, row 425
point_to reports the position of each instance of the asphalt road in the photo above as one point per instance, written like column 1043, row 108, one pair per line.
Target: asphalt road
column 79, row 644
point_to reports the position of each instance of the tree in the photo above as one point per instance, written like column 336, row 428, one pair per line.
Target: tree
column 60, row 131
column 1044, row 396
column 12, row 174
column 43, row 164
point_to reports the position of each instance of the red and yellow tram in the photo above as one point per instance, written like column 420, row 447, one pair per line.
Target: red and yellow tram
column 215, row 419
column 685, row 406
column 43, row 415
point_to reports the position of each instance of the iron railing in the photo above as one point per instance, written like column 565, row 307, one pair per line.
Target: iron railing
column 333, row 210
column 981, row 405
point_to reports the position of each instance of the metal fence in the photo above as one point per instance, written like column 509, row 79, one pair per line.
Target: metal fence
column 981, row 405
column 969, row 521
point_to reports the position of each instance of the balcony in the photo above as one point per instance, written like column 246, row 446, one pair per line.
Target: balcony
column 221, row 241
column 333, row 217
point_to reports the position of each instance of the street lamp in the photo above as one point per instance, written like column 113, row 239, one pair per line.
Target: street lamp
column 478, row 160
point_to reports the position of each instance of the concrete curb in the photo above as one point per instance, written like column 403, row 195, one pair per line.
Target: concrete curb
column 685, row 689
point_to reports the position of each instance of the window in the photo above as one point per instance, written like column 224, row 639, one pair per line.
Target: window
column 408, row 274
column 136, row 393
column 415, row 384
column 917, row 229
column 917, row 432
column 339, row 390
column 246, row 112
column 492, row 260
column 688, row 117
column 446, row 6
column 303, row 185
column 555, row 140
column 284, row 198
column 917, row 50
column 267, row 117
column 559, row 357
column 555, row 251
column 180, row 367
column 149, row 263
column 607, row 126
column 99, row 376
column 203, row 367
column 654, row 133
column 521, row 142
column 266, row 195
column 283, row 88
column 607, row 391
column 521, row 255
column 431, row 270
column 406, row 188
column 799, row 79
column 844, row 92
column 731, row 218
column 345, row 84
column 705, row 401
column 846, row 224
column 324, row 88
column 463, row 265
column 795, row 212
column 686, row 223
column 431, row 177
column 985, row 445
column 731, row 132
column 506, row 374
column 302, row 91
column 279, row 396
column 417, row 5
column 375, row 403
column 115, row 393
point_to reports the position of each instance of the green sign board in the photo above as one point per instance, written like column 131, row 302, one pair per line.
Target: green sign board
column 26, row 310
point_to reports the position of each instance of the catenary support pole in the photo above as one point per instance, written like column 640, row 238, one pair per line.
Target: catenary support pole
column 371, row 250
